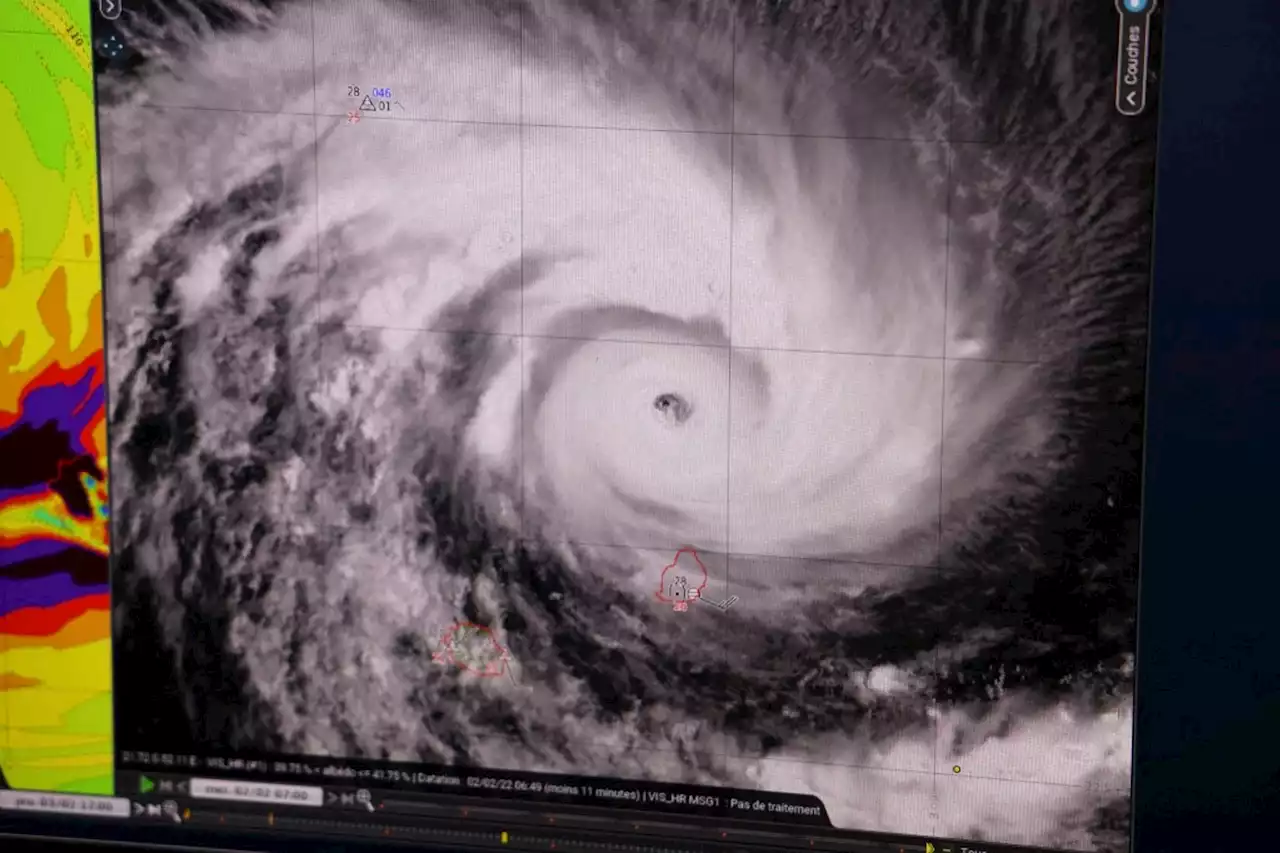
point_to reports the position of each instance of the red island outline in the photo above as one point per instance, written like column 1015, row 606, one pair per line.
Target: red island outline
column 489, row 671
column 696, row 592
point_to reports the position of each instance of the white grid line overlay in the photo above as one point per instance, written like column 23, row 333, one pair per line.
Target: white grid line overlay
column 950, row 145
column 728, row 426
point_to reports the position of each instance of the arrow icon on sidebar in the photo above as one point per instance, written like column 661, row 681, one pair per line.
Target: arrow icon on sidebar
column 110, row 9
column 138, row 809
column 1132, row 98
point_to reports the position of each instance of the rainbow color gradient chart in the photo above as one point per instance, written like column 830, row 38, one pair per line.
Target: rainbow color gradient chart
column 55, row 647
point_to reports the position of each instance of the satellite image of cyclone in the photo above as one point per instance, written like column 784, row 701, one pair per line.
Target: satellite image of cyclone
column 437, row 313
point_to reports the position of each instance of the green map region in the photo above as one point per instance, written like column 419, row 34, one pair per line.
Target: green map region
column 55, row 640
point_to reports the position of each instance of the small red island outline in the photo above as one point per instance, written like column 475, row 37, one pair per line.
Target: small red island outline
column 694, row 591
column 492, row 669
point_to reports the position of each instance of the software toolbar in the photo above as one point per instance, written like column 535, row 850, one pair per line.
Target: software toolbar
column 258, row 807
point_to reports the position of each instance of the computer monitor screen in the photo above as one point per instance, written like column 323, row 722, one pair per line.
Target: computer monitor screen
column 717, row 415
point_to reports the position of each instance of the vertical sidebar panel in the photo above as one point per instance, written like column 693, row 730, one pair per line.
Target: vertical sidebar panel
column 55, row 657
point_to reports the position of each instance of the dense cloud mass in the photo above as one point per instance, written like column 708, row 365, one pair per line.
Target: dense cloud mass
column 423, row 313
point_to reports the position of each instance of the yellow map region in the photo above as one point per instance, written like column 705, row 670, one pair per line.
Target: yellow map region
column 55, row 655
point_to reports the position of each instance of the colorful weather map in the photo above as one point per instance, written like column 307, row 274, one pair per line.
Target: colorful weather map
column 55, row 656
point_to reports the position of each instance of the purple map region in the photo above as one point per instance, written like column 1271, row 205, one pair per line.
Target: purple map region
column 17, row 593
column 12, row 555
column 72, row 407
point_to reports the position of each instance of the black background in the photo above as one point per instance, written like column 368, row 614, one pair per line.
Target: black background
column 1207, row 763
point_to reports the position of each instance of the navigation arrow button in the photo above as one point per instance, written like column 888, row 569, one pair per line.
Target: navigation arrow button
column 110, row 9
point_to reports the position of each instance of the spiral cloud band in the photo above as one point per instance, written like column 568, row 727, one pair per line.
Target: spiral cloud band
column 434, row 313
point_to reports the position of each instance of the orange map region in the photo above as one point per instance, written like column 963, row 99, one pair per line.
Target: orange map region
column 44, row 622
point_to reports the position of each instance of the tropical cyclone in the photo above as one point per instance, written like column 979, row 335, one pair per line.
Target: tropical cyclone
column 499, row 358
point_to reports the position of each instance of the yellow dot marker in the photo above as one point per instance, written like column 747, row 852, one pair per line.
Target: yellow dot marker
column 504, row 838
column 955, row 769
